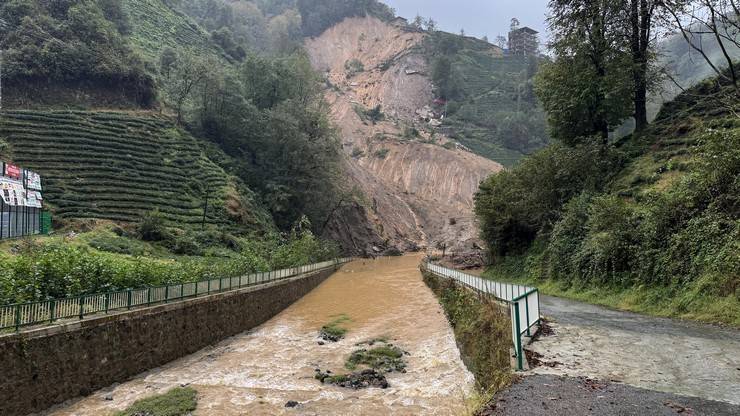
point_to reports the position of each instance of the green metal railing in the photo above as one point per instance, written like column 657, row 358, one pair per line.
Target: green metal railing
column 20, row 315
column 523, row 301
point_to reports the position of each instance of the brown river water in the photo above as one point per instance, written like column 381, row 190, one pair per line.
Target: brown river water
column 258, row 372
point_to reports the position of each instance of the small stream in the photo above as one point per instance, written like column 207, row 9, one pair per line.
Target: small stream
column 258, row 372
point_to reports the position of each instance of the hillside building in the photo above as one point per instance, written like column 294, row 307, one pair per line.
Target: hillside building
column 524, row 42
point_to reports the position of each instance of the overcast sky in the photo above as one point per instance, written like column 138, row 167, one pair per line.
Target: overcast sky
column 477, row 17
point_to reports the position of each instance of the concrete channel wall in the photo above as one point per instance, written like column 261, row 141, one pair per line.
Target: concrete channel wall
column 43, row 367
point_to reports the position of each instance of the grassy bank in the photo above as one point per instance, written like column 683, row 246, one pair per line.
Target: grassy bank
column 483, row 334
column 693, row 301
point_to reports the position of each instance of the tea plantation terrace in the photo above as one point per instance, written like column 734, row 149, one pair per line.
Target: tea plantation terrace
column 116, row 166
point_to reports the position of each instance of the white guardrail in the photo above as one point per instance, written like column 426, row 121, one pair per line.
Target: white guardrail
column 523, row 301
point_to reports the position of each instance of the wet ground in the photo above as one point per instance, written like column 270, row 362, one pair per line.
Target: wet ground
column 258, row 372
column 659, row 354
column 547, row 395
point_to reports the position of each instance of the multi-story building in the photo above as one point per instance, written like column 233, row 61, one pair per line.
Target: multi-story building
column 523, row 42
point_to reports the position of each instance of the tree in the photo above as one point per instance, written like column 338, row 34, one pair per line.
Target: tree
column 717, row 18
column 501, row 41
column 641, row 13
column 185, row 74
column 587, row 89
column 431, row 25
column 418, row 22
column 514, row 24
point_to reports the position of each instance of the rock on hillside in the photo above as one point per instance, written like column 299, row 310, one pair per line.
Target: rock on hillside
column 419, row 185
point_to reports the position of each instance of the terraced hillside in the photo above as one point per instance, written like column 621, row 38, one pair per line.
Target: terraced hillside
column 118, row 166
column 156, row 26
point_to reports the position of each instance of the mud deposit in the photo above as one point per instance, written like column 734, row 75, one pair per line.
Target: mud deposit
column 259, row 372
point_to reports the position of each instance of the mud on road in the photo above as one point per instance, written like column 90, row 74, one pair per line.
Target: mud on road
column 652, row 353
column 547, row 395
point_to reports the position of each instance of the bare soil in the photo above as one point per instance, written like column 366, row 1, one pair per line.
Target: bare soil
column 419, row 193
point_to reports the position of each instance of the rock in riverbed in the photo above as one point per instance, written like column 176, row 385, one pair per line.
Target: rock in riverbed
column 357, row 380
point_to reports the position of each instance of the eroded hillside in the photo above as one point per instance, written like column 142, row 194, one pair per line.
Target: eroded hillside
column 419, row 185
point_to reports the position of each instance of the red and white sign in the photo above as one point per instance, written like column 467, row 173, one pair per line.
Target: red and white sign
column 12, row 171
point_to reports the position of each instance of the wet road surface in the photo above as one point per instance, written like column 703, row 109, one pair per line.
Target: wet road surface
column 659, row 354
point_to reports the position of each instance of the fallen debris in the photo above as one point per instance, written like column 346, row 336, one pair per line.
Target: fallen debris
column 357, row 380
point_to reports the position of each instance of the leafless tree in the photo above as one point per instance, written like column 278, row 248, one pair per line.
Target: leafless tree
column 717, row 18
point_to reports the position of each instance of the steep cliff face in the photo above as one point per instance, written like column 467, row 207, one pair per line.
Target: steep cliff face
column 418, row 185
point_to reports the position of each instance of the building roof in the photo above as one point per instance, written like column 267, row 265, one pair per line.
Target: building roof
column 526, row 29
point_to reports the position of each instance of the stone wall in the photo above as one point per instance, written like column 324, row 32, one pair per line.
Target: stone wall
column 47, row 366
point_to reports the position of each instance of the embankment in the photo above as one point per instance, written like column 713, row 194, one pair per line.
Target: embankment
column 482, row 329
column 47, row 366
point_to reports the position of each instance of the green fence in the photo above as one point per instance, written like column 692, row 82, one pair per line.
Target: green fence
column 45, row 222
column 33, row 313
column 523, row 301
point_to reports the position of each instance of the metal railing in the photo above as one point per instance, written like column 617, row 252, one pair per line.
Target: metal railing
column 523, row 301
column 33, row 313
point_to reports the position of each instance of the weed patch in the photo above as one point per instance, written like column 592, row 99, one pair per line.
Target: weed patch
column 176, row 402
column 334, row 331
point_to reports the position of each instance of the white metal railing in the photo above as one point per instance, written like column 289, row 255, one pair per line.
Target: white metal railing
column 523, row 301
column 25, row 314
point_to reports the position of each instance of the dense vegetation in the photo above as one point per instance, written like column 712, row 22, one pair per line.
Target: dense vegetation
column 491, row 107
column 273, row 25
column 654, row 215
column 114, row 258
column 71, row 42
column 268, row 114
column 227, row 178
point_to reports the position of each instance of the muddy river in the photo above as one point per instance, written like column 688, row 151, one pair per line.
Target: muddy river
column 258, row 372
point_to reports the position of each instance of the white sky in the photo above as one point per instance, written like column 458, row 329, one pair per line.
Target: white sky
column 477, row 17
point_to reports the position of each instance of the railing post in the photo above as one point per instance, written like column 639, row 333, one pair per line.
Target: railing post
column 526, row 310
column 82, row 307
column 196, row 289
column 518, row 340
column 149, row 296
column 52, row 310
column 17, row 317
column 182, row 291
column 128, row 299
column 167, row 294
column 107, row 302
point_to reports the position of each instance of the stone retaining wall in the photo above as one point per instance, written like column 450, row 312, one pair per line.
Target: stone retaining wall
column 44, row 367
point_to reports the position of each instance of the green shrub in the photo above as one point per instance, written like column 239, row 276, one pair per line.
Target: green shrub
column 353, row 67
column 381, row 153
column 516, row 206
column 152, row 227
column 357, row 153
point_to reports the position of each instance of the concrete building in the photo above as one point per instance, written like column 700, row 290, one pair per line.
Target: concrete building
column 523, row 42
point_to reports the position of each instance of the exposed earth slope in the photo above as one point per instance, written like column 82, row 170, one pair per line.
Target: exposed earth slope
column 420, row 185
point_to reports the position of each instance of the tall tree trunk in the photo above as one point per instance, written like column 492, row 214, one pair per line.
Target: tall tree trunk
column 640, row 19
